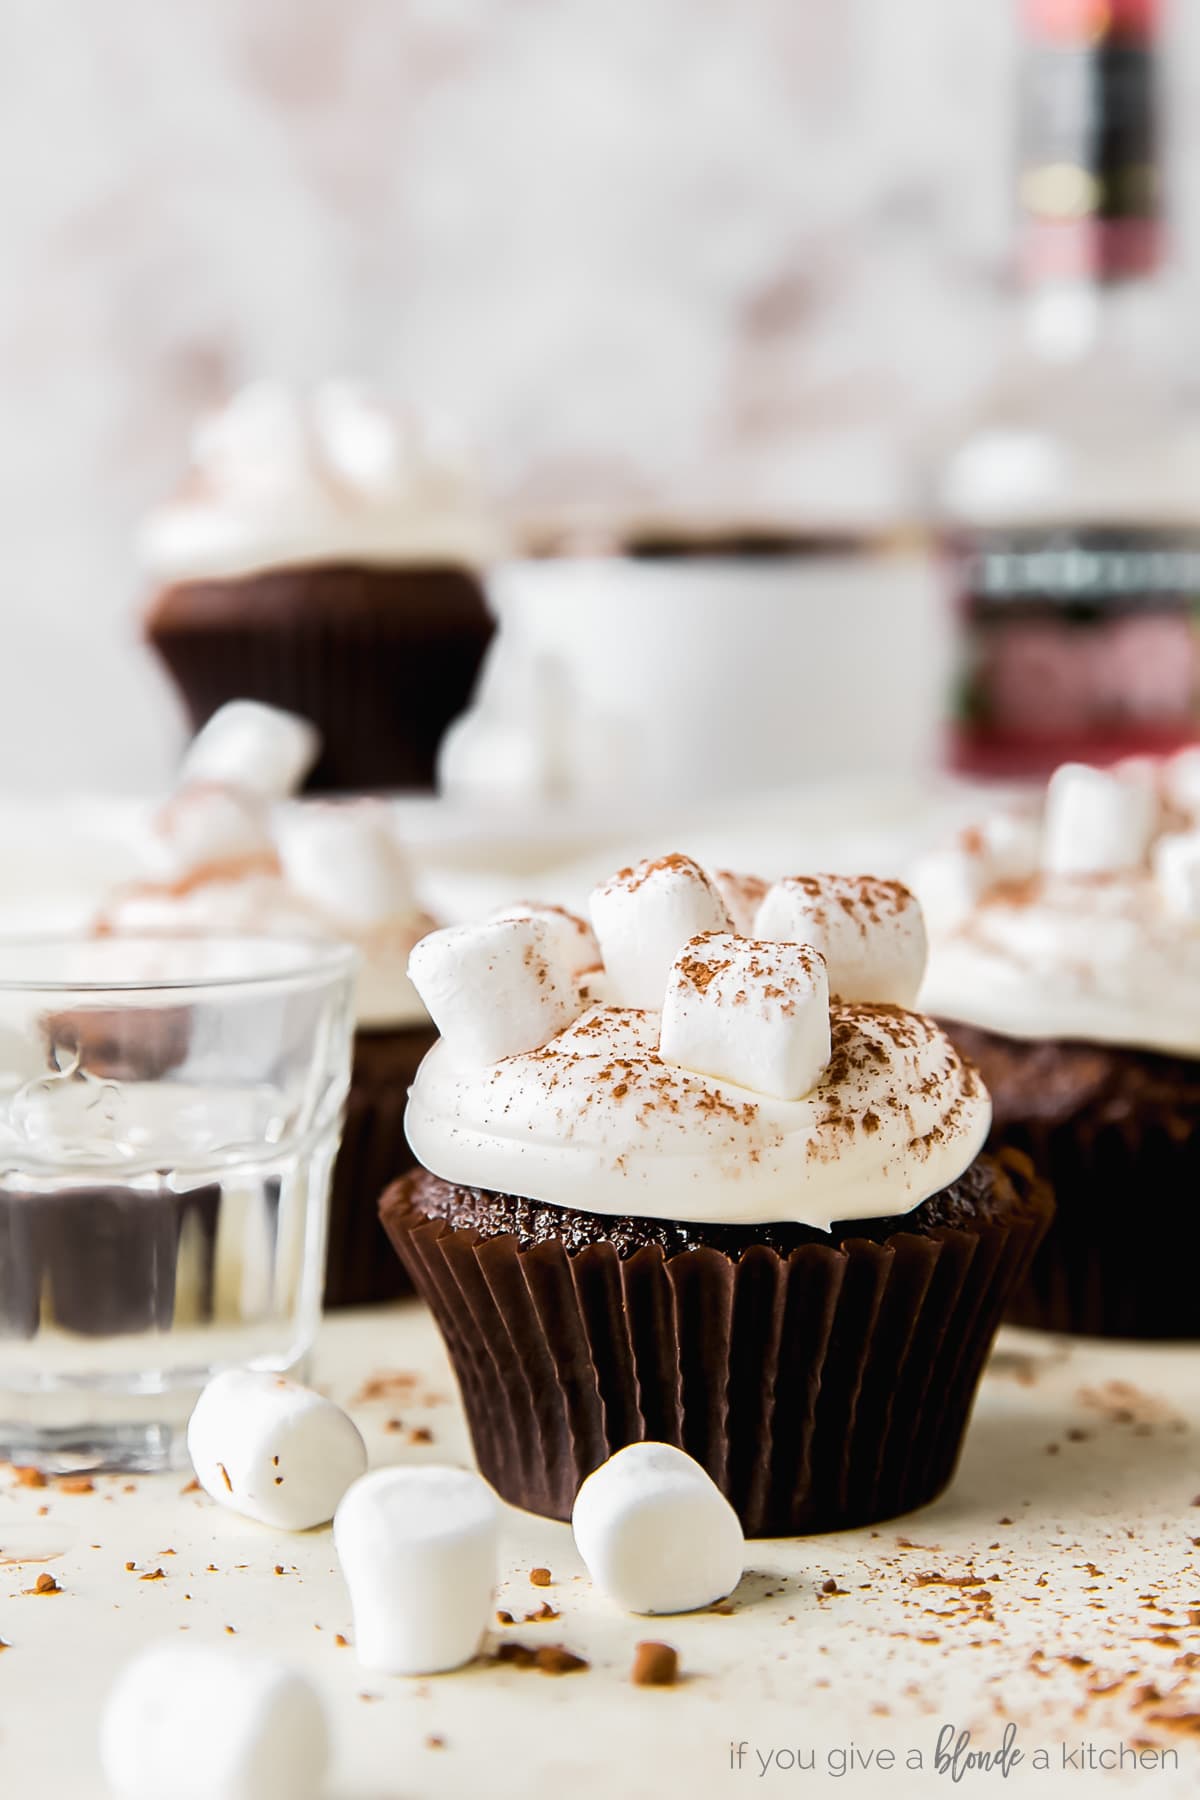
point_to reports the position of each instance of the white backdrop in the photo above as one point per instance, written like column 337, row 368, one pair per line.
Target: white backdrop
column 626, row 242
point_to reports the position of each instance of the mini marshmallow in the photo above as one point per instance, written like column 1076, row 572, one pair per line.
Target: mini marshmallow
column 1096, row 823
column 205, row 825
column 949, row 882
column 742, row 895
column 643, row 918
column 870, row 932
column 345, row 858
column 202, row 1722
column 1011, row 845
column 273, row 1450
column 572, row 940
column 496, row 989
column 418, row 1549
column 656, row 1533
column 1181, row 781
column 747, row 1011
column 1177, row 873
column 258, row 748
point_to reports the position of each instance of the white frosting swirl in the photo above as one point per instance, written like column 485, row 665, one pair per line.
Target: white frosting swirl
column 343, row 877
column 1082, row 923
column 1094, row 958
column 596, row 1121
column 331, row 476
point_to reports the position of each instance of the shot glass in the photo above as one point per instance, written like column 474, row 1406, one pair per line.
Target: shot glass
column 169, row 1115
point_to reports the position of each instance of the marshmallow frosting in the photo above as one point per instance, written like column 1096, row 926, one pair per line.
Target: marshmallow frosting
column 596, row 1118
column 333, row 475
column 222, row 864
column 1080, row 921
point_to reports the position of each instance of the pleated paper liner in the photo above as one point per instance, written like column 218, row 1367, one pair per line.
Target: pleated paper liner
column 1122, row 1255
column 1124, row 1164
column 821, row 1389
column 381, row 659
column 361, row 1269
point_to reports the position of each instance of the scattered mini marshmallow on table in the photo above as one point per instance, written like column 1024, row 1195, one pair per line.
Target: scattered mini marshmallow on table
column 249, row 745
column 199, row 1722
column 656, row 1532
column 751, row 1012
column 496, row 989
column 418, row 1549
column 273, row 1450
column 643, row 917
column 870, row 932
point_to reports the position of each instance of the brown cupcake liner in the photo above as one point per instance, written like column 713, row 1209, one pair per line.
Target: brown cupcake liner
column 380, row 659
column 1115, row 1132
column 822, row 1389
column 1100, row 1272
column 360, row 1268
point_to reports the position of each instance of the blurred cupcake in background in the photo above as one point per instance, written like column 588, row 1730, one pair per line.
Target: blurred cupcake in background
column 1065, row 962
column 325, row 555
column 223, row 858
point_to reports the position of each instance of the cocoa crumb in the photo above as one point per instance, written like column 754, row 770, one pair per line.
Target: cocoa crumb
column 27, row 1476
column 831, row 1587
column 433, row 1742
column 279, row 1568
column 341, row 1641
column 193, row 1487
column 654, row 1665
column 540, row 1577
column 75, row 1484
column 504, row 1617
column 556, row 1659
column 420, row 1434
column 154, row 1575
column 45, row 1584
column 225, row 1477
column 545, row 1611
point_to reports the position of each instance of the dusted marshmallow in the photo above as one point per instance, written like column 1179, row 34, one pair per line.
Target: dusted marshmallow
column 1177, row 873
column 418, row 1549
column 1097, row 823
column 206, row 826
column 949, row 883
column 870, row 932
column 750, row 1012
column 202, row 1722
column 272, row 1449
column 742, row 894
column 573, row 942
column 496, row 989
column 345, row 858
column 656, row 1533
column 1010, row 845
column 258, row 748
column 643, row 918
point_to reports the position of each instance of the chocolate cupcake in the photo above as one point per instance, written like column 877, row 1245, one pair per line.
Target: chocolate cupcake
column 225, row 864
column 325, row 558
column 1066, row 964
column 691, row 1199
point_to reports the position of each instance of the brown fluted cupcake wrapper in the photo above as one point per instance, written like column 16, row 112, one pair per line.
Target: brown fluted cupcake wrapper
column 381, row 659
column 1100, row 1271
column 823, row 1389
column 360, row 1269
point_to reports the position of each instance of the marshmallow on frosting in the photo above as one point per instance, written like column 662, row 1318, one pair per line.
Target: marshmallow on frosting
column 747, row 1011
column 870, row 932
column 334, row 475
column 497, row 989
column 1090, row 930
column 643, row 916
column 714, row 1079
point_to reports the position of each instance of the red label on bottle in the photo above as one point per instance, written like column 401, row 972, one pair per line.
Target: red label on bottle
column 1076, row 646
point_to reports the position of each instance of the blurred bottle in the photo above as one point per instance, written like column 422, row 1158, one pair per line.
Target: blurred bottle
column 1070, row 512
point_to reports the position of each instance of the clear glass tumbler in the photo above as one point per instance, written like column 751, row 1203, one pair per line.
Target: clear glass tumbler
column 169, row 1116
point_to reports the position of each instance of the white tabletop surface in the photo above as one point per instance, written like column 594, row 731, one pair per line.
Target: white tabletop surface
column 1056, row 1585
